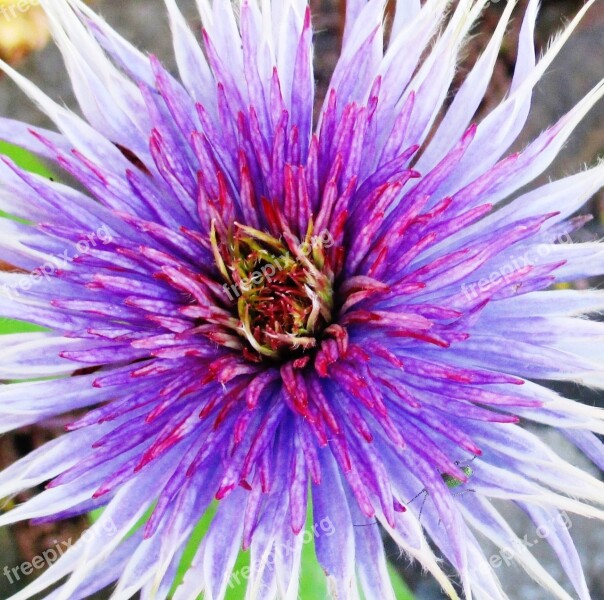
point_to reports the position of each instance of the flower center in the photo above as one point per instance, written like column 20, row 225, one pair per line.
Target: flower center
column 282, row 291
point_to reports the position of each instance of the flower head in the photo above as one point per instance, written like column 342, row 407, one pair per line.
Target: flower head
column 245, row 306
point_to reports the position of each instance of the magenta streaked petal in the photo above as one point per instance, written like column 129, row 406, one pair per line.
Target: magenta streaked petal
column 253, row 307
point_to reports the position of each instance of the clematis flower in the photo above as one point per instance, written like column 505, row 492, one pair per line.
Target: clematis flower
column 247, row 302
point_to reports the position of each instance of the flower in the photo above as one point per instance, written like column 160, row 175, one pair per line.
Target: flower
column 242, row 305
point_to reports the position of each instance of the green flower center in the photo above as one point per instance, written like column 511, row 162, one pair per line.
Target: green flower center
column 283, row 291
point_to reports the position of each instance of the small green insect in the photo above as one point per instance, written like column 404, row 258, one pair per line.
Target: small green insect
column 451, row 482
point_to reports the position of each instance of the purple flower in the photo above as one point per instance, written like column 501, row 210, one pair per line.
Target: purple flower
column 246, row 306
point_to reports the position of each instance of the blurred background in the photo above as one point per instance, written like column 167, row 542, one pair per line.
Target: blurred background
column 24, row 42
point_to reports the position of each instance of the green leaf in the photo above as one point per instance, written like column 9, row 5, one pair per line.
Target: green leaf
column 401, row 591
column 31, row 163
column 12, row 326
column 25, row 159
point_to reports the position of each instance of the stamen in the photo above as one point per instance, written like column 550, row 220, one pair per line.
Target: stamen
column 283, row 290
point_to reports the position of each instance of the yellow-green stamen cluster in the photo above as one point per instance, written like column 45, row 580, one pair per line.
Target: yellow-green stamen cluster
column 283, row 291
